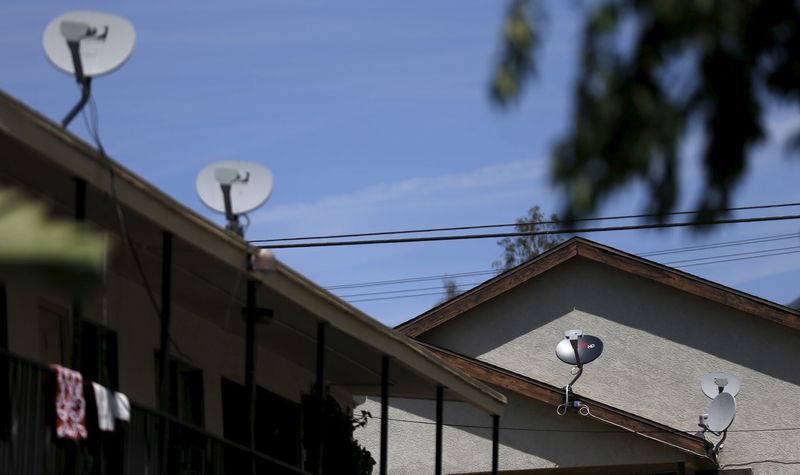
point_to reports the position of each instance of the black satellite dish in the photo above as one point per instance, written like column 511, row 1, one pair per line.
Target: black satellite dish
column 576, row 349
column 589, row 348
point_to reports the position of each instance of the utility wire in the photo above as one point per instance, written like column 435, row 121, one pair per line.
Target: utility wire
column 93, row 127
column 596, row 431
column 700, row 259
column 740, row 242
column 442, row 292
column 505, row 225
column 459, row 237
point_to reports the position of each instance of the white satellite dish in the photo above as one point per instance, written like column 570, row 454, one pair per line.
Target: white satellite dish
column 87, row 44
column 713, row 384
column 106, row 41
column 234, row 187
column 721, row 412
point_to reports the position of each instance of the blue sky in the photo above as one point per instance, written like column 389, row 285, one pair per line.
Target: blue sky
column 370, row 118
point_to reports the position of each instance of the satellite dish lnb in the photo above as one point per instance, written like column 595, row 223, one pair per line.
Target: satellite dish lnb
column 579, row 350
column 234, row 187
column 87, row 44
column 716, row 383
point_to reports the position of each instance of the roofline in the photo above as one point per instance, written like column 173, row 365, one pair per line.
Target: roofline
column 551, row 395
column 72, row 154
column 593, row 251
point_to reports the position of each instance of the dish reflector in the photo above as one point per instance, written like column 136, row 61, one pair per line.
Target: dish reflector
column 104, row 51
column 721, row 412
column 589, row 349
column 251, row 185
column 711, row 382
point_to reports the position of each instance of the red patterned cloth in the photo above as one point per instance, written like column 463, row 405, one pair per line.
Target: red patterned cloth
column 70, row 404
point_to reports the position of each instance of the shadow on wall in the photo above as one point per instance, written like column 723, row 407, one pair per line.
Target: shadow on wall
column 629, row 300
column 531, row 436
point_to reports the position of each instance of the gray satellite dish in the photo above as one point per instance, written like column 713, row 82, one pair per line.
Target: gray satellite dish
column 589, row 349
column 721, row 412
column 234, row 187
column 87, row 44
column 106, row 41
column 716, row 383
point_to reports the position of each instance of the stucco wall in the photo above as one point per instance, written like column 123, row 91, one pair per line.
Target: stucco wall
column 531, row 436
column 207, row 345
column 658, row 343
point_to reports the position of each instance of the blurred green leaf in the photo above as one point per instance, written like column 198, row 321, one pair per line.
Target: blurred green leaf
column 39, row 250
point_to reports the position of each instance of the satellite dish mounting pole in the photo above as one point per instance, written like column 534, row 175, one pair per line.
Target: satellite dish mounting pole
column 233, row 218
column 84, row 82
column 577, row 363
column 74, row 32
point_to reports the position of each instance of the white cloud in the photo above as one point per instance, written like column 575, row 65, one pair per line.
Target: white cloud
column 422, row 195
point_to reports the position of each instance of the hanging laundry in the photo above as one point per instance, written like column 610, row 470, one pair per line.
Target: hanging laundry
column 121, row 407
column 105, row 401
column 70, row 404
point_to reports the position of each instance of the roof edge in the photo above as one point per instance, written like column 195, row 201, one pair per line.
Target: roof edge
column 600, row 253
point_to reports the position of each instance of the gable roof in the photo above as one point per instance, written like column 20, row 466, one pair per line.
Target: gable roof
column 596, row 252
column 551, row 395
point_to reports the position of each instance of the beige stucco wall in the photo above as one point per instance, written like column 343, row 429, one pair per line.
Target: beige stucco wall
column 208, row 347
column 658, row 343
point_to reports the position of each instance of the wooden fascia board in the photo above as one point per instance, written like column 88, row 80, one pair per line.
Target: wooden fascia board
column 690, row 284
column 487, row 291
column 553, row 396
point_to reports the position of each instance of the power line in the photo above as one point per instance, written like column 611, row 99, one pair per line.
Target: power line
column 459, row 237
column 595, row 431
column 505, row 225
column 760, row 253
column 712, row 260
column 418, row 289
column 736, row 254
column 740, row 242
column 410, row 279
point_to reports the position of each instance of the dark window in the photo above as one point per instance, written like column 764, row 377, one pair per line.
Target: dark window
column 185, row 391
column 99, row 355
column 53, row 332
column 277, row 421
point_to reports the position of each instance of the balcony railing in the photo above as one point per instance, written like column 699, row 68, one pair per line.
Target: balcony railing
column 28, row 445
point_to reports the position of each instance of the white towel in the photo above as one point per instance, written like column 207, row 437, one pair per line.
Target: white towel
column 105, row 412
column 122, row 407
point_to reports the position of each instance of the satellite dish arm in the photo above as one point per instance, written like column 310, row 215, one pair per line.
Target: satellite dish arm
column 577, row 362
column 233, row 219
column 83, row 81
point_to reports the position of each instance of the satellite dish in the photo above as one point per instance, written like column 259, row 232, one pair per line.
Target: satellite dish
column 234, row 187
column 106, row 41
column 87, row 44
column 715, row 383
column 251, row 185
column 721, row 412
column 589, row 349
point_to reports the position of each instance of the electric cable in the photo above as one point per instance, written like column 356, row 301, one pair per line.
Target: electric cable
column 460, row 237
column 524, row 223
column 741, row 242
column 420, row 289
column 93, row 127
column 711, row 261
column 590, row 431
